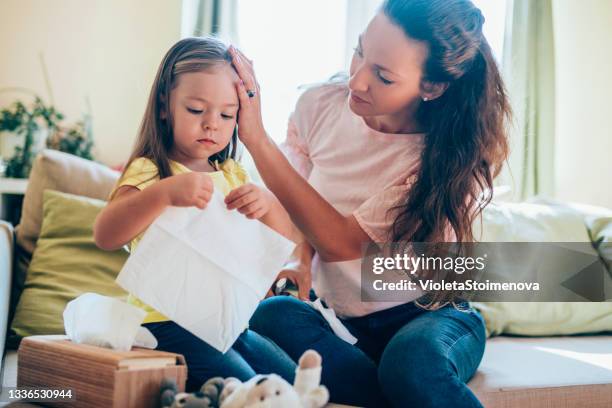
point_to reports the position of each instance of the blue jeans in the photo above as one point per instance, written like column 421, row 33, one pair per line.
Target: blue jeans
column 405, row 356
column 251, row 354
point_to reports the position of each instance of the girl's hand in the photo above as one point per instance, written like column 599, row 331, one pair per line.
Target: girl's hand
column 189, row 190
column 249, row 200
column 250, row 124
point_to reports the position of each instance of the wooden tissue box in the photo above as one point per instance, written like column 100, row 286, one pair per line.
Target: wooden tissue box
column 96, row 376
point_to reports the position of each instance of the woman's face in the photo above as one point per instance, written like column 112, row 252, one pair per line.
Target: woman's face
column 386, row 70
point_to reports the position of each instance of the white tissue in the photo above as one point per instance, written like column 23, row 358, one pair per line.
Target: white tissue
column 207, row 270
column 336, row 325
column 106, row 322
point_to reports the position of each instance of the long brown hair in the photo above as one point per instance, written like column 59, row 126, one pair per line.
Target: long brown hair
column 155, row 138
column 466, row 127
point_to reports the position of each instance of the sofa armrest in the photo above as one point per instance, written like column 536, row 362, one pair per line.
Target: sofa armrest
column 6, row 268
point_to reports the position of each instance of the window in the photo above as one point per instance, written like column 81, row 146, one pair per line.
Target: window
column 292, row 42
column 297, row 42
column 494, row 12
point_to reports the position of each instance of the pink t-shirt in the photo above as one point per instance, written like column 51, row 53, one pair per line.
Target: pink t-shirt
column 359, row 171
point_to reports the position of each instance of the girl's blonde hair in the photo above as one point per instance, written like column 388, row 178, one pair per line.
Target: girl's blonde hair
column 155, row 138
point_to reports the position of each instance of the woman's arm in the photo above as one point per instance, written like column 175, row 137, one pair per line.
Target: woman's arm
column 334, row 236
column 132, row 210
column 298, row 270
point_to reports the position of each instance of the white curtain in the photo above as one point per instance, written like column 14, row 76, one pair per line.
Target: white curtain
column 358, row 15
column 529, row 73
column 206, row 17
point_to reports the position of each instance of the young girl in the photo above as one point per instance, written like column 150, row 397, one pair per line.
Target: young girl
column 186, row 147
column 399, row 152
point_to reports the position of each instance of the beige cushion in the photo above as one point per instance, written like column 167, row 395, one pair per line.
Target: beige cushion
column 531, row 222
column 600, row 230
column 542, row 221
column 55, row 170
column 551, row 372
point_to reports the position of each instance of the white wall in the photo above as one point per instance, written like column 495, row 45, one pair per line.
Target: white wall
column 106, row 50
column 109, row 50
column 583, row 39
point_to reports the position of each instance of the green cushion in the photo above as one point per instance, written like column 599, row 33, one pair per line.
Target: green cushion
column 65, row 264
column 543, row 222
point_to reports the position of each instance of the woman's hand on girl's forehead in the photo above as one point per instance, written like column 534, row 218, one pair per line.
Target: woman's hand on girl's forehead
column 244, row 68
column 250, row 124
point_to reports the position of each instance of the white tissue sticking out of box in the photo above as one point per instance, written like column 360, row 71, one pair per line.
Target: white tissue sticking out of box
column 106, row 322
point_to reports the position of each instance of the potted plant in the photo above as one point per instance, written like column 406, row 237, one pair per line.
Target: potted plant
column 41, row 124
column 28, row 123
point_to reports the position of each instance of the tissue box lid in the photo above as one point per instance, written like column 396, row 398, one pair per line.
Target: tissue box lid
column 49, row 346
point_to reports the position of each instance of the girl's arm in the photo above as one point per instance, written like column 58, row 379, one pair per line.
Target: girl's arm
column 258, row 203
column 127, row 215
column 131, row 211
column 278, row 219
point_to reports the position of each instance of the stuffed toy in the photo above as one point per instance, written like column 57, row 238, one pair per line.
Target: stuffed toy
column 272, row 391
column 261, row 391
column 206, row 397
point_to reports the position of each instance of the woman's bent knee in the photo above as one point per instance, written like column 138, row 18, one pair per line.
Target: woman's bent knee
column 282, row 313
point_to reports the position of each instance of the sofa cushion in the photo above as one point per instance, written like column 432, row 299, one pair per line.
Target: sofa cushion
column 55, row 170
column 600, row 230
column 553, row 372
column 65, row 264
column 545, row 318
column 531, row 222
column 598, row 221
column 58, row 171
column 542, row 221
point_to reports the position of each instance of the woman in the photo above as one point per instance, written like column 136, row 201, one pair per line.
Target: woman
column 402, row 152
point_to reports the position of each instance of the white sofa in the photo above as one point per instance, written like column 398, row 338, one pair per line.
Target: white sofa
column 564, row 371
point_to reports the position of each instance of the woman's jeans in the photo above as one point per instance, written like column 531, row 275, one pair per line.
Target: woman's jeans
column 405, row 356
column 251, row 354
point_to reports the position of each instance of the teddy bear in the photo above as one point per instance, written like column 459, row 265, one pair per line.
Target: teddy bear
column 269, row 391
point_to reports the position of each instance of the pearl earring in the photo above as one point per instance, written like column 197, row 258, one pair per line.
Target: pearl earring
column 425, row 99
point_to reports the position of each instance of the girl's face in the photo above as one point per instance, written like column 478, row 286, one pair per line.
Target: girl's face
column 386, row 70
column 203, row 106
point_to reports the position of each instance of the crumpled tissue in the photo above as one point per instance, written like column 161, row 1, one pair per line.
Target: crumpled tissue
column 336, row 324
column 106, row 322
